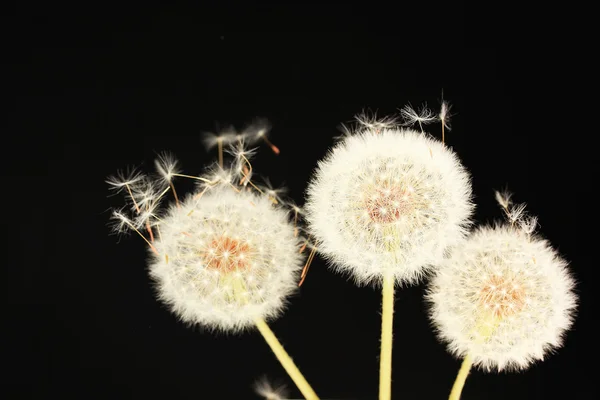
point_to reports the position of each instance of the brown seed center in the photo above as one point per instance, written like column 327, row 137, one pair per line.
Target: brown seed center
column 503, row 296
column 226, row 254
column 388, row 203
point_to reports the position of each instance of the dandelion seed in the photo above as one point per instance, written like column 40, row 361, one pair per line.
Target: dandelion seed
column 123, row 179
column 273, row 193
column 166, row 166
column 422, row 117
column 259, row 131
column 504, row 198
column 269, row 391
column 444, row 118
column 516, row 213
column 120, row 223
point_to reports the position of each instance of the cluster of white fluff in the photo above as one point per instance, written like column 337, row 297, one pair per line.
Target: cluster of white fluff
column 226, row 258
column 505, row 297
column 388, row 200
column 223, row 256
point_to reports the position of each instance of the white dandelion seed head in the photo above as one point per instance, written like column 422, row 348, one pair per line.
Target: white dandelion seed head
column 226, row 259
column 388, row 201
column 505, row 298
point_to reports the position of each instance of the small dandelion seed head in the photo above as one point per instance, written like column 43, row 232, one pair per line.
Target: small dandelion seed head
column 503, row 297
column 233, row 257
column 379, row 202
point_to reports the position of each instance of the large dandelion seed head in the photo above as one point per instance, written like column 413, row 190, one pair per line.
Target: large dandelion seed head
column 388, row 200
column 226, row 259
column 505, row 298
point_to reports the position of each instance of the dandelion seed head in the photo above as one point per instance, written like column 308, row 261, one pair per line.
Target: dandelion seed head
column 233, row 257
column 412, row 117
column 166, row 166
column 504, row 297
column 388, row 201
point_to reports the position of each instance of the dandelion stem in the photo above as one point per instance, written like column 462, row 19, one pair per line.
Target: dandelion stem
column 459, row 383
column 285, row 360
column 387, row 319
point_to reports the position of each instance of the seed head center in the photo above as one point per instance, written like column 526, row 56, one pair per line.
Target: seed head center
column 387, row 203
column 227, row 254
column 502, row 296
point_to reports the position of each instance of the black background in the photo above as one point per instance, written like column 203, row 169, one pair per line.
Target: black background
column 99, row 88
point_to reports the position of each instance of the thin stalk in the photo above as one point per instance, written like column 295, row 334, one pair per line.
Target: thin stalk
column 387, row 323
column 459, row 383
column 285, row 360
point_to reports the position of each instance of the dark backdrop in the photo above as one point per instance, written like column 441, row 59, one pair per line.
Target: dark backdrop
column 102, row 88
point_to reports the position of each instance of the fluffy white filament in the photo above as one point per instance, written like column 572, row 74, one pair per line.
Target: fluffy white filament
column 505, row 298
column 388, row 200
